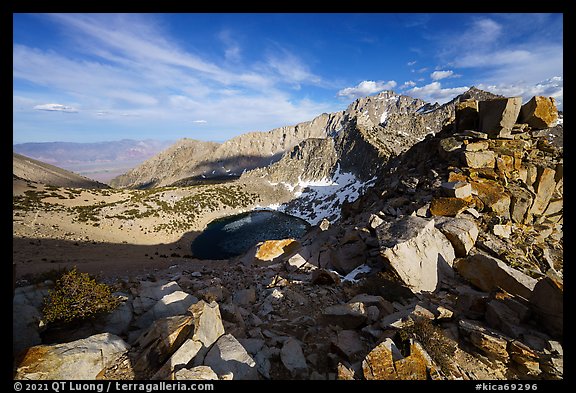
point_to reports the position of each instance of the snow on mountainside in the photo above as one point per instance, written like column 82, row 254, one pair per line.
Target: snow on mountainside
column 316, row 200
column 323, row 162
column 323, row 173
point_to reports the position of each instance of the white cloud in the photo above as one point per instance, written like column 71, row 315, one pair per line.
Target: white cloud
column 483, row 31
column 411, row 63
column 56, row 108
column 434, row 92
column 366, row 88
column 508, row 54
column 134, row 73
column 437, row 75
column 552, row 87
column 408, row 84
column 421, row 70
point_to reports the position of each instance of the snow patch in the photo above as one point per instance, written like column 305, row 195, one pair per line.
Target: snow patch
column 272, row 206
column 383, row 117
column 320, row 199
column 351, row 277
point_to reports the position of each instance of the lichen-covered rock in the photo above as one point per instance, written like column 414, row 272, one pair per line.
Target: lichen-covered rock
column 385, row 362
column 270, row 250
column 544, row 187
column 157, row 343
column 479, row 159
column 457, row 189
column 449, row 206
column 539, row 112
column 493, row 196
column 486, row 340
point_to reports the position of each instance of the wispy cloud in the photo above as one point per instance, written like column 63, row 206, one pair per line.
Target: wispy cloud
column 482, row 34
column 128, row 68
column 291, row 69
column 508, row 54
column 232, row 49
column 497, row 54
column 366, row 88
column 437, row 75
column 56, row 108
column 420, row 70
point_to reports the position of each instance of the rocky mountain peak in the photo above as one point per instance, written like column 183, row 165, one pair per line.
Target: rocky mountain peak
column 374, row 110
column 477, row 94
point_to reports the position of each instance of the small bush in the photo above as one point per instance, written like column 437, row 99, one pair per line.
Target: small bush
column 440, row 348
column 77, row 296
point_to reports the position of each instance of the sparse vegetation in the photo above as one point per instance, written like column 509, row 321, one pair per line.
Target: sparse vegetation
column 434, row 341
column 176, row 209
column 77, row 296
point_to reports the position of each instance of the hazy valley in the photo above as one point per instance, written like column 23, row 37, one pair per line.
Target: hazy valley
column 100, row 161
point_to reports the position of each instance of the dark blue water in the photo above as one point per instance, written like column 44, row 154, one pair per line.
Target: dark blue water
column 234, row 235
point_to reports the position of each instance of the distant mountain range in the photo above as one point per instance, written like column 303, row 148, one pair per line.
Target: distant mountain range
column 383, row 124
column 100, row 160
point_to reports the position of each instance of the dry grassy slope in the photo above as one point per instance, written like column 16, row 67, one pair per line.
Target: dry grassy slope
column 40, row 172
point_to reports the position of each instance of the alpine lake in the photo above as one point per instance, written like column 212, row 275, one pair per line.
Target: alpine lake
column 231, row 236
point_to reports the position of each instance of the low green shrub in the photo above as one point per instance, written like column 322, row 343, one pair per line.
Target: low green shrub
column 77, row 296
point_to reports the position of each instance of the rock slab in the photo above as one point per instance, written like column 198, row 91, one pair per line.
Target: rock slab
column 417, row 251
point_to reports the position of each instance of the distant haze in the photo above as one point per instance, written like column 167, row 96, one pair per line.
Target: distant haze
column 100, row 161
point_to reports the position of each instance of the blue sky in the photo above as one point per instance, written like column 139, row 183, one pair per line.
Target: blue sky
column 100, row 77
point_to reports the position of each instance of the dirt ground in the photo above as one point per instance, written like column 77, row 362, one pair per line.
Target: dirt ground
column 53, row 239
